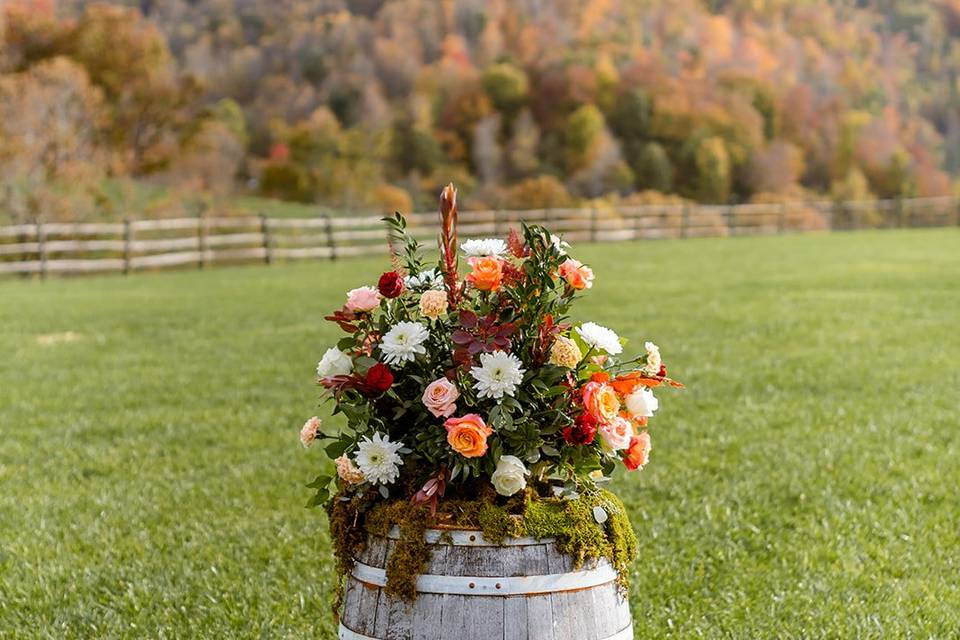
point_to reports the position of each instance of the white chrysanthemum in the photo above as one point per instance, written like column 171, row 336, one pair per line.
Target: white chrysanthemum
column 600, row 338
column 403, row 342
column 431, row 279
column 499, row 373
column 482, row 248
column 334, row 363
column 378, row 459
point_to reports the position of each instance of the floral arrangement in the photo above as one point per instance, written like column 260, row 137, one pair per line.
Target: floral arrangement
column 451, row 382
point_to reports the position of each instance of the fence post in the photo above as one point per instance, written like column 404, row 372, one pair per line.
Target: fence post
column 684, row 220
column 127, row 242
column 267, row 238
column 899, row 211
column 832, row 214
column 637, row 217
column 782, row 218
column 202, row 239
column 24, row 254
column 956, row 210
column 593, row 224
column 42, row 249
column 328, row 228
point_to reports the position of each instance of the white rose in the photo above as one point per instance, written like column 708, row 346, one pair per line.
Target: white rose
column 641, row 403
column 509, row 476
column 334, row 363
column 653, row 359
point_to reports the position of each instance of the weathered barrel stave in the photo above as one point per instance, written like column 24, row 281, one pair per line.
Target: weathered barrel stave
column 590, row 613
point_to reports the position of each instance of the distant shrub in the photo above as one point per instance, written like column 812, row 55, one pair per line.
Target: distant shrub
column 286, row 181
column 542, row 192
column 800, row 216
column 854, row 188
column 388, row 198
column 653, row 197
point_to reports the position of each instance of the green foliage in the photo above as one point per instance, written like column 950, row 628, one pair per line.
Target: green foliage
column 714, row 172
column 581, row 134
column 630, row 119
column 507, row 87
column 413, row 149
column 653, row 168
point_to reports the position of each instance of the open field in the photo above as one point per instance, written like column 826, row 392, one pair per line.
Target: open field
column 803, row 486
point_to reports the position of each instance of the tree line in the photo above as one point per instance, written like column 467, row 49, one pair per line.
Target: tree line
column 374, row 104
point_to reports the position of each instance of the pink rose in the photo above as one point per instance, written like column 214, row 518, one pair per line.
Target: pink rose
column 616, row 435
column 363, row 299
column 577, row 274
column 440, row 398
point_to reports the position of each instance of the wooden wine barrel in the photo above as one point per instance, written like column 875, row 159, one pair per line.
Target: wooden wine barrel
column 522, row 589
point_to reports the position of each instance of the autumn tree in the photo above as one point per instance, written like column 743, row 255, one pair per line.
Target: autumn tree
column 128, row 59
column 50, row 164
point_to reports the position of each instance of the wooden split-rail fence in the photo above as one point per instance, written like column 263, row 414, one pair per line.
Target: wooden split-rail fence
column 42, row 248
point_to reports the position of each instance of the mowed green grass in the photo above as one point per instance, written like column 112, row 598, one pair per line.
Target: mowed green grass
column 803, row 486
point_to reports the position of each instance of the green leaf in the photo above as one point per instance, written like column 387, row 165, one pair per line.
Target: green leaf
column 316, row 501
column 320, row 481
column 336, row 449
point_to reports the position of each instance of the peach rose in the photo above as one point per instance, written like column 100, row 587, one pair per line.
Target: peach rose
column 487, row 273
column 617, row 434
column 433, row 303
column 565, row 353
column 601, row 401
column 440, row 398
column 577, row 274
column 348, row 471
column 638, row 453
column 309, row 431
column 363, row 299
column 468, row 435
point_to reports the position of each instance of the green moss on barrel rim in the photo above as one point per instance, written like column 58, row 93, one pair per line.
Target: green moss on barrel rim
column 571, row 523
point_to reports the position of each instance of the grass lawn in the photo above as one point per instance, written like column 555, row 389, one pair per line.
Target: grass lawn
column 803, row 486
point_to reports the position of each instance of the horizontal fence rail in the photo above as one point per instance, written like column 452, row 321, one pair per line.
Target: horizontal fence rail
column 39, row 249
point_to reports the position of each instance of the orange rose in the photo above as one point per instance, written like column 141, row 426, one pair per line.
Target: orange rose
column 468, row 435
column 601, row 401
column 487, row 273
column 638, row 453
column 577, row 274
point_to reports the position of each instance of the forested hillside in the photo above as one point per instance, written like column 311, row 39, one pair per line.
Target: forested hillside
column 373, row 104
